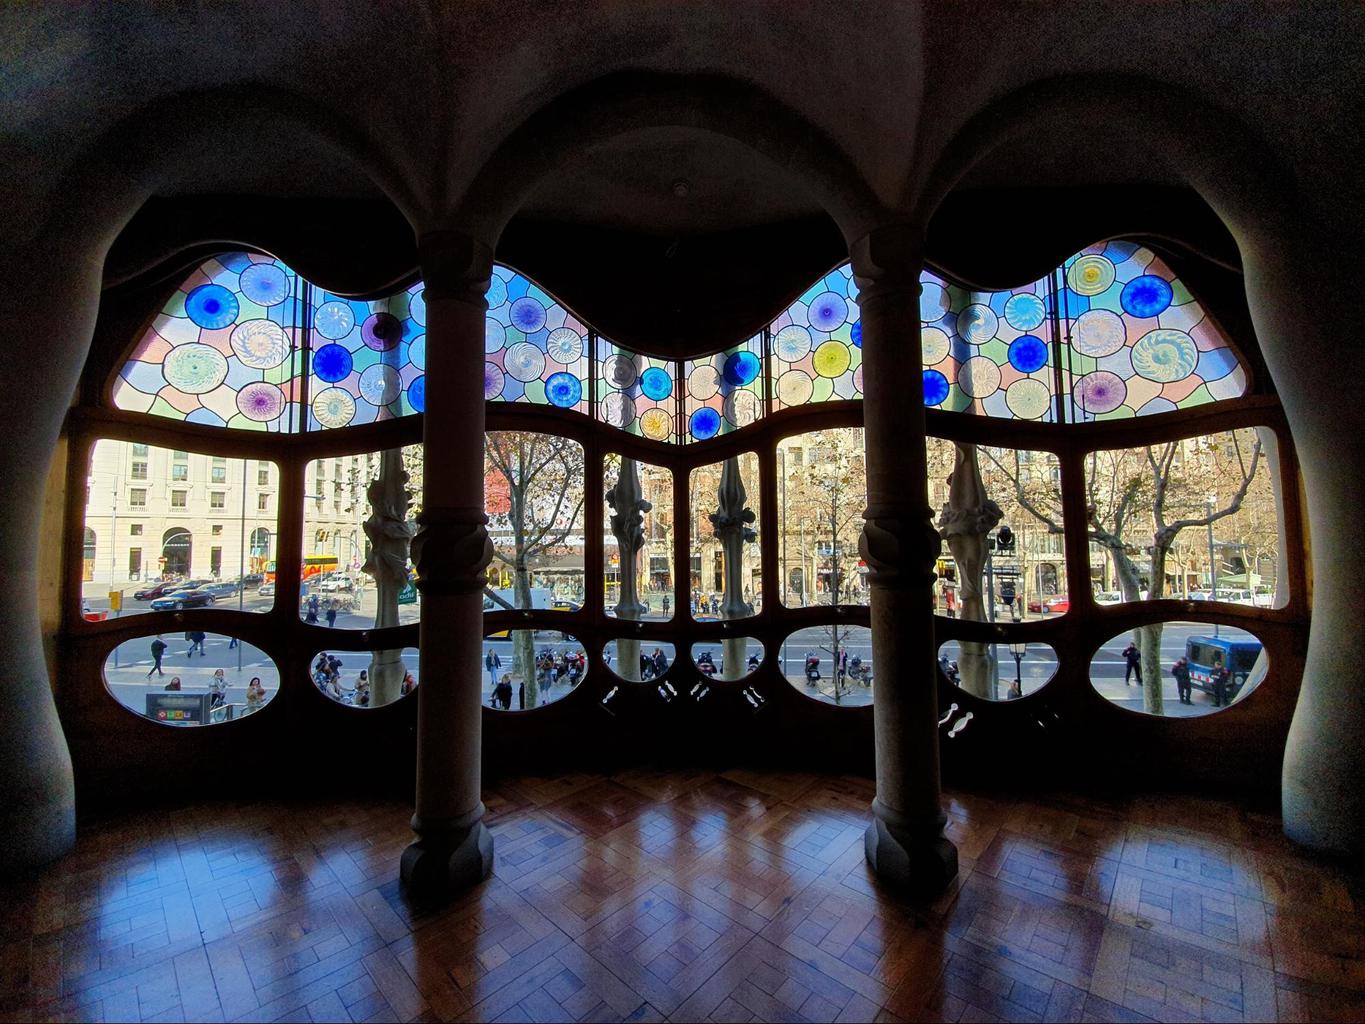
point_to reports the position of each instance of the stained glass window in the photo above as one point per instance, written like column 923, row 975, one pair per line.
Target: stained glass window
column 225, row 350
column 723, row 391
column 534, row 349
column 817, row 344
column 1135, row 341
column 637, row 393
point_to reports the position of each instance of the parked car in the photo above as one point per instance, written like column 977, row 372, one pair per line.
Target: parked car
column 158, row 589
column 253, row 579
column 173, row 602
column 218, row 590
column 1058, row 605
column 1238, row 657
column 336, row 583
column 267, row 589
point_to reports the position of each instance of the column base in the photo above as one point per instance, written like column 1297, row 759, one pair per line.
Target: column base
column 917, row 864
column 442, row 866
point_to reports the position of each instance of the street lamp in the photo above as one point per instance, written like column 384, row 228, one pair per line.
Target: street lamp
column 1213, row 568
column 1017, row 651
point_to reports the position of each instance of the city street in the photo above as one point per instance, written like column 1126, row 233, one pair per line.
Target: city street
column 128, row 682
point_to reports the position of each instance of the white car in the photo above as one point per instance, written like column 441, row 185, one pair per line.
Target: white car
column 267, row 590
column 337, row 583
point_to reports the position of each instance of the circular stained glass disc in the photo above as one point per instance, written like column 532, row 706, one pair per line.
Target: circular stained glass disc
column 831, row 359
column 791, row 343
column 827, row 311
column 333, row 407
column 492, row 381
column 1099, row 333
column 265, row 284
column 235, row 261
column 381, row 331
column 620, row 371
column 933, row 303
column 494, row 335
column 417, row 394
column 1165, row 356
column 1028, row 353
column 334, row 320
column 741, row 368
column 497, row 292
column 524, row 362
column 935, row 344
column 794, row 388
column 528, row 315
column 935, row 387
column 656, row 425
column 703, row 382
column 332, row 363
column 741, row 408
column 564, row 390
column 417, row 307
column 1028, row 398
column 380, row 384
column 260, row 402
column 564, row 345
column 260, row 344
column 194, row 368
column 417, row 351
column 1090, row 275
column 211, row 306
column 1146, row 296
column 979, row 377
column 618, row 410
column 977, row 324
column 1025, row 311
column 705, row 423
column 656, row 383
column 858, row 378
column 1100, row 391
column 856, row 333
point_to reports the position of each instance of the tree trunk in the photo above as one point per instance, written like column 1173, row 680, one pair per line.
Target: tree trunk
column 524, row 640
column 1149, row 638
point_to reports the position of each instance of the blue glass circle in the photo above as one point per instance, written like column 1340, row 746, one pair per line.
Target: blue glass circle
column 741, row 368
column 705, row 422
column 1028, row 353
column 528, row 315
column 1146, row 296
column 334, row 320
column 235, row 261
column 265, row 284
column 211, row 306
column 656, row 383
column 1025, row 311
column 332, row 363
column 417, row 394
column 935, row 387
column 827, row 311
column 857, row 333
column 564, row 390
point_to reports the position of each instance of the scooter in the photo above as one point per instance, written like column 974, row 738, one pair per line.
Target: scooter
column 812, row 668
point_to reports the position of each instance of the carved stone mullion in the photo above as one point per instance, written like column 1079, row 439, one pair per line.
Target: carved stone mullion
column 452, row 551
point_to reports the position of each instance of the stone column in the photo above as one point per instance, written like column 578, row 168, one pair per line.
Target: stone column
column 965, row 522
column 628, row 506
column 733, row 524
column 454, row 849
column 389, row 535
column 905, row 843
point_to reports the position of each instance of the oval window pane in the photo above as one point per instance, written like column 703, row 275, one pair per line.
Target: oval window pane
column 1179, row 669
column 190, row 679
column 832, row 663
column 365, row 679
column 728, row 659
column 525, row 668
column 650, row 658
column 997, row 671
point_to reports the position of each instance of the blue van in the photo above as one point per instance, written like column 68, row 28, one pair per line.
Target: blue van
column 1238, row 657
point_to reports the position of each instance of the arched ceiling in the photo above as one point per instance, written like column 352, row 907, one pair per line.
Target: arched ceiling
column 345, row 105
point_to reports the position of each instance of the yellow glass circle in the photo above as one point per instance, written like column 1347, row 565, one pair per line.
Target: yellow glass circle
column 831, row 359
column 656, row 425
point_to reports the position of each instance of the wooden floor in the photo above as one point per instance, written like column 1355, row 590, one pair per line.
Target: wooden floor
column 724, row 897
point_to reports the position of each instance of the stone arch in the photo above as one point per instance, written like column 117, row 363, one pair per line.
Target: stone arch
column 177, row 548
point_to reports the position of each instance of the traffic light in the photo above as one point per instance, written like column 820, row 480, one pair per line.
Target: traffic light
column 1004, row 539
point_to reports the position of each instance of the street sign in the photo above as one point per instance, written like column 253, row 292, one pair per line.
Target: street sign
column 408, row 595
column 178, row 708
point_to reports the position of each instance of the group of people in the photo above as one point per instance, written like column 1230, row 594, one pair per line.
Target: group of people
column 314, row 607
column 327, row 678
column 218, row 688
column 653, row 666
column 1218, row 681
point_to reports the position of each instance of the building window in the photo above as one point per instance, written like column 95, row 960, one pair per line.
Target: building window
column 134, row 563
column 262, row 502
column 139, row 471
column 217, row 499
column 216, row 529
column 263, row 474
column 135, row 530
column 139, row 451
column 137, row 497
column 178, row 499
column 180, row 471
column 215, row 561
column 218, row 471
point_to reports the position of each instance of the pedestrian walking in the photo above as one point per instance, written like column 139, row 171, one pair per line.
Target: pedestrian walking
column 660, row 662
column 666, row 606
column 332, row 614
column 1132, row 659
column 1181, row 671
column 521, row 696
column 158, row 649
column 196, row 639
column 492, row 663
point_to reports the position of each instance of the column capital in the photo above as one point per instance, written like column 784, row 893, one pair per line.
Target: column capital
column 451, row 550
column 887, row 260
column 899, row 546
column 454, row 265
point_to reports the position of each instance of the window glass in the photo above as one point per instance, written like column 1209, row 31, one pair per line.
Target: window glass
column 821, row 494
column 723, row 505
column 365, row 679
column 729, row 659
column 1179, row 669
column 723, row 392
column 1170, row 518
column 649, row 547
column 525, row 669
column 535, row 350
column 817, row 344
column 831, row 663
column 997, row 671
column 637, row 393
column 165, row 561
column 357, row 568
column 639, row 661
column 194, row 678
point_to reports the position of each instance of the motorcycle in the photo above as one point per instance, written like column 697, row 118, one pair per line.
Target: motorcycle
column 812, row 668
column 860, row 672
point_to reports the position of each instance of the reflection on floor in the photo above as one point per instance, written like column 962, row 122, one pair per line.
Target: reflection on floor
column 650, row 895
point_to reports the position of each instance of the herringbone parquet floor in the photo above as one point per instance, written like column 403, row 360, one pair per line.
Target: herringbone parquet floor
column 651, row 895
